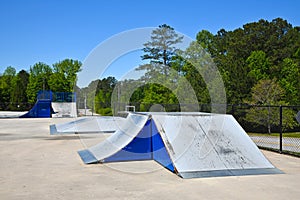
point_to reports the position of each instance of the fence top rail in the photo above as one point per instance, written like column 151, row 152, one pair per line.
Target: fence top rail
column 272, row 106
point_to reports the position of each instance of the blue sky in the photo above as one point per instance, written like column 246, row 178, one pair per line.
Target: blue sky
column 51, row 30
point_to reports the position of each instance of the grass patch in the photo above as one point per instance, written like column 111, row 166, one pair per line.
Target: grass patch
column 293, row 134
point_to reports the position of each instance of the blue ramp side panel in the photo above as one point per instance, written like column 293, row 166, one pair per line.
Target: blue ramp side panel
column 41, row 109
column 138, row 149
column 159, row 151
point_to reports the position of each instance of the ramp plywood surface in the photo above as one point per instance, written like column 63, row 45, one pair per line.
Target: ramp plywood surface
column 209, row 143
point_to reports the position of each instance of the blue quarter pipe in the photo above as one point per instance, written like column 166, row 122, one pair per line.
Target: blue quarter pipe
column 42, row 107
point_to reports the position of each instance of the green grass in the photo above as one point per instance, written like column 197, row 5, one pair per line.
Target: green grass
column 293, row 134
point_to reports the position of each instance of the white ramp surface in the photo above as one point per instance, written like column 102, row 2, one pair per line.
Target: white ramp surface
column 123, row 136
column 206, row 145
column 64, row 109
column 97, row 124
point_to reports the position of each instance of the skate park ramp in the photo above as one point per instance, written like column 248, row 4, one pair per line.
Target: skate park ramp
column 189, row 144
column 41, row 109
column 64, row 109
column 98, row 124
column 53, row 104
column 124, row 144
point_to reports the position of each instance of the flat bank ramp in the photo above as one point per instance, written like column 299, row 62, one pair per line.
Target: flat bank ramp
column 204, row 145
column 64, row 109
column 97, row 124
column 113, row 147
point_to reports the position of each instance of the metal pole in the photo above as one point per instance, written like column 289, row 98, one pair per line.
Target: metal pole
column 232, row 109
column 280, row 129
column 93, row 107
column 85, row 105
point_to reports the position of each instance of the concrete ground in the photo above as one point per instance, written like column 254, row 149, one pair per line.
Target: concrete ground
column 35, row 165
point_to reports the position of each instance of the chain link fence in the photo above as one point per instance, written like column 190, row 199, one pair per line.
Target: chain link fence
column 271, row 127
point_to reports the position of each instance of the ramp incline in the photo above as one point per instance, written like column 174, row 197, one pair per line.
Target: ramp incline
column 116, row 142
column 42, row 107
column 188, row 144
column 210, row 145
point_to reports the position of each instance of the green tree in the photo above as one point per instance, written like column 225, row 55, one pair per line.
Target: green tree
column 160, row 76
column 206, row 40
column 196, row 69
column 129, row 91
column 156, row 94
column 38, row 80
column 259, row 66
column 238, row 54
column 290, row 80
column 18, row 93
column 64, row 75
column 86, row 95
column 5, row 87
column 104, row 94
column 267, row 93
column 9, row 71
column 160, row 50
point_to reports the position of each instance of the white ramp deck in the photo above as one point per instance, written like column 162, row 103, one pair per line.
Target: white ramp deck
column 97, row 124
column 210, row 145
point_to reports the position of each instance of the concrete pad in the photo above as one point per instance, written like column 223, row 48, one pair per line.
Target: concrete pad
column 11, row 114
column 36, row 165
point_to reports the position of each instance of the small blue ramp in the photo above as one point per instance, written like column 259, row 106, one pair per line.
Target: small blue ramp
column 42, row 107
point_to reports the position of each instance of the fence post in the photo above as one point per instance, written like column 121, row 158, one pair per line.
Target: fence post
column 232, row 109
column 280, row 129
column 93, row 107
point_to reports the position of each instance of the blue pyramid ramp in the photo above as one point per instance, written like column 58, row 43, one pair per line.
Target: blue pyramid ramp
column 159, row 151
column 138, row 149
column 208, row 145
column 191, row 145
column 131, row 142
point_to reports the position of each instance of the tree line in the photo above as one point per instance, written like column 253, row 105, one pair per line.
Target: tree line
column 18, row 91
column 261, row 55
column 259, row 63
